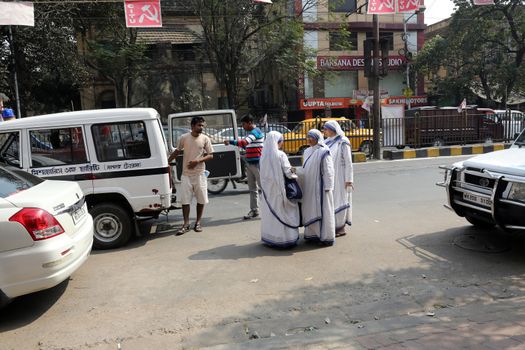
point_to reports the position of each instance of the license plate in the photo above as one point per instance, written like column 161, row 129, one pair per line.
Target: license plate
column 78, row 214
column 477, row 199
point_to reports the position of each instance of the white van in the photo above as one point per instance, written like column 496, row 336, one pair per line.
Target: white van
column 117, row 156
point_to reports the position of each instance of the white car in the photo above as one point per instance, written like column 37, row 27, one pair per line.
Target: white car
column 46, row 232
column 489, row 189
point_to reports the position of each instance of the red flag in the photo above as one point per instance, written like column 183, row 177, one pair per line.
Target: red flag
column 407, row 5
column 143, row 13
column 381, row 7
column 483, row 2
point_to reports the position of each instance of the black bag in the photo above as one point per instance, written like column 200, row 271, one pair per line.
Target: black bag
column 293, row 191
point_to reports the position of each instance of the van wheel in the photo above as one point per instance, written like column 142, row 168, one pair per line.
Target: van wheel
column 112, row 226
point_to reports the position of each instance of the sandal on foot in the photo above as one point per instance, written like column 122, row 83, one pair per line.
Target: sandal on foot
column 182, row 230
column 340, row 234
column 197, row 228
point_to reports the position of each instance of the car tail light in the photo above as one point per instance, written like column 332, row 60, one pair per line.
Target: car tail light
column 38, row 222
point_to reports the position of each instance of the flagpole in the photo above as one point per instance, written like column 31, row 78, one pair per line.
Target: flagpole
column 13, row 59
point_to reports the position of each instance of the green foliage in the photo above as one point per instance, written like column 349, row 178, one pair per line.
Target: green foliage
column 49, row 68
column 242, row 38
column 482, row 53
column 112, row 48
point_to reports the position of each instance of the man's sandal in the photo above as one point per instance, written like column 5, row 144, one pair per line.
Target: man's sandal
column 182, row 230
column 197, row 228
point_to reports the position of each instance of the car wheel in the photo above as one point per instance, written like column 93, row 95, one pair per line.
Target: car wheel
column 366, row 148
column 216, row 186
column 112, row 226
column 479, row 223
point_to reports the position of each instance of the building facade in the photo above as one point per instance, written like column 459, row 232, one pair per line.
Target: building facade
column 335, row 31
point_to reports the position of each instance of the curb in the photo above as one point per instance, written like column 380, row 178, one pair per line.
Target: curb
column 442, row 151
column 357, row 157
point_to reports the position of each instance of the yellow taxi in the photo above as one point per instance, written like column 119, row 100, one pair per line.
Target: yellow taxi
column 360, row 139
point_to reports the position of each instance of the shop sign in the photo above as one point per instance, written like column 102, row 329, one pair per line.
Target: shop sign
column 325, row 103
column 363, row 94
column 353, row 63
column 143, row 13
column 414, row 100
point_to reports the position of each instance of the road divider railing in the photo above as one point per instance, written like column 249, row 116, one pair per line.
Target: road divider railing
column 429, row 152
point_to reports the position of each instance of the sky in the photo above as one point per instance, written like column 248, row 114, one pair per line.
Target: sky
column 437, row 10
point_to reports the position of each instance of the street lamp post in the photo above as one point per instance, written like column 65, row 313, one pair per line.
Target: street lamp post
column 405, row 39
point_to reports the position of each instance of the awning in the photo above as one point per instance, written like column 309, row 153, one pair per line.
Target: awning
column 167, row 34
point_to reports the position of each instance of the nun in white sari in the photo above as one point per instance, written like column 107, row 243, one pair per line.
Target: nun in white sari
column 341, row 151
column 280, row 219
column 317, row 204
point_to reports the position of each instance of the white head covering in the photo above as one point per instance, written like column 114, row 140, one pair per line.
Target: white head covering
column 334, row 126
column 269, row 163
column 316, row 134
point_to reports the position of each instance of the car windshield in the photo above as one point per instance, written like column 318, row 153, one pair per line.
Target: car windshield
column 13, row 181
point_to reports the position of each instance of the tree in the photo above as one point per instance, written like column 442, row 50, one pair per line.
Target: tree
column 242, row 38
column 111, row 49
column 482, row 52
column 49, row 68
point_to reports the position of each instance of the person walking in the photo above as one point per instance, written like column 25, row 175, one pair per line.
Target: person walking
column 253, row 144
column 197, row 150
column 341, row 151
column 317, row 204
column 280, row 218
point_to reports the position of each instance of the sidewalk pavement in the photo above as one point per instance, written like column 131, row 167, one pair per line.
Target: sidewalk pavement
column 494, row 325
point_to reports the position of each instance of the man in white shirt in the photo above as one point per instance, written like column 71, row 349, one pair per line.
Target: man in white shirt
column 197, row 150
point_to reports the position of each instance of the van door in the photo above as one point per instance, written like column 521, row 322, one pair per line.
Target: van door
column 221, row 125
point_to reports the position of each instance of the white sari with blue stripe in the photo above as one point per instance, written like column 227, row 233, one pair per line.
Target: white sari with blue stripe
column 317, row 204
column 280, row 218
column 341, row 151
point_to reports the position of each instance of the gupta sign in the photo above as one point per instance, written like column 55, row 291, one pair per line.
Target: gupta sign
column 354, row 62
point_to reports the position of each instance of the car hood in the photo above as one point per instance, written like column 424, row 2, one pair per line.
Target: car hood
column 510, row 161
column 53, row 196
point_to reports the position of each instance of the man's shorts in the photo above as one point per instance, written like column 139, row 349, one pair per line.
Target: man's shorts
column 194, row 185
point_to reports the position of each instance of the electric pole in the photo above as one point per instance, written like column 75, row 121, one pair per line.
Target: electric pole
column 375, row 79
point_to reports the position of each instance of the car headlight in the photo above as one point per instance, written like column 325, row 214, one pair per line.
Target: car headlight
column 517, row 192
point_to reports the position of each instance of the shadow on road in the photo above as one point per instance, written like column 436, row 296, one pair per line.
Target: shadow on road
column 28, row 308
column 251, row 251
